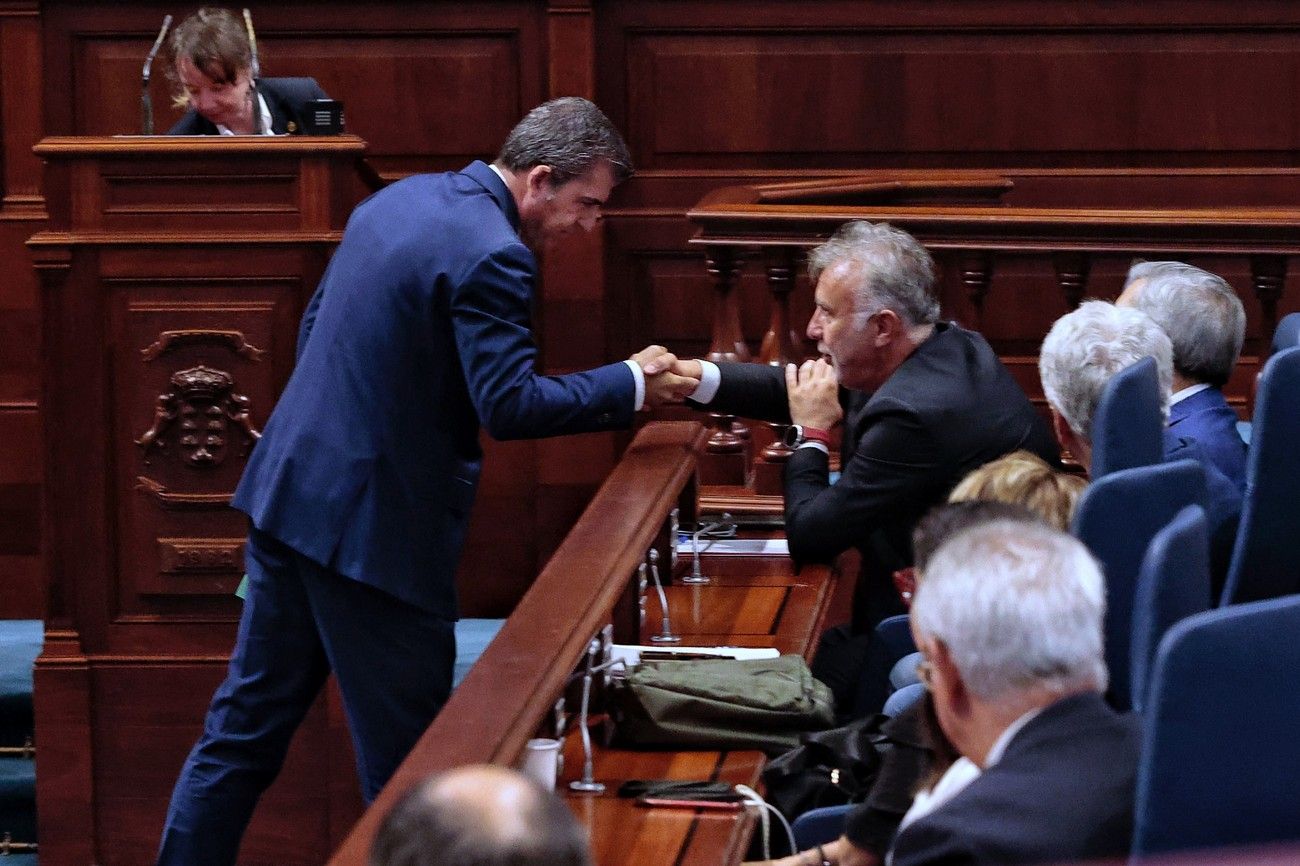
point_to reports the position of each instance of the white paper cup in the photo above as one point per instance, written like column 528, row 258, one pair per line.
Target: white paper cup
column 542, row 761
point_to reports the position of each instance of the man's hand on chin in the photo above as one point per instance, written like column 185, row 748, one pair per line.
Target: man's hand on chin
column 813, row 389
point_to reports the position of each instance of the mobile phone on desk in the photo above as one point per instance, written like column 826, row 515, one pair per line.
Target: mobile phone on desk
column 724, row 805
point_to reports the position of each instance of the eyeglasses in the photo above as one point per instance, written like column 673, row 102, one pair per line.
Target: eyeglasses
column 925, row 673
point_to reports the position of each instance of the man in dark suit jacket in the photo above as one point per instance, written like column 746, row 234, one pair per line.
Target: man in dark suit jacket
column 929, row 402
column 1048, row 770
column 1206, row 325
column 359, row 492
column 283, row 100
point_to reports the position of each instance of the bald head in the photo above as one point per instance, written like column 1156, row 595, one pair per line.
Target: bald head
column 480, row 816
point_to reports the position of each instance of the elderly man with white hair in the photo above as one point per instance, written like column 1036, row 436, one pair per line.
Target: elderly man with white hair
column 1081, row 353
column 1009, row 619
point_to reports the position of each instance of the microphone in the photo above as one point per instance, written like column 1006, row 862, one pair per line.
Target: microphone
column 146, row 103
column 588, row 784
column 665, row 630
column 697, row 576
column 255, row 72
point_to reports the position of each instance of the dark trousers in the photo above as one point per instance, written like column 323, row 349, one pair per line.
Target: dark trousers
column 301, row 621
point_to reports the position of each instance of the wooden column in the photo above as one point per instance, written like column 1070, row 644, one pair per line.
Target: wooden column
column 1268, row 278
column 778, row 349
column 725, row 461
column 976, row 275
column 1072, row 275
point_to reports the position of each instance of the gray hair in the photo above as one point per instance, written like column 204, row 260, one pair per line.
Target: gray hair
column 1201, row 314
column 570, row 134
column 1086, row 348
column 1019, row 606
column 895, row 271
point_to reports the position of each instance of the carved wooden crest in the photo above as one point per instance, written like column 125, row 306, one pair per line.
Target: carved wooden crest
column 200, row 414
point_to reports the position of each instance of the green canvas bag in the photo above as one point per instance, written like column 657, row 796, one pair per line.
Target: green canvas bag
column 722, row 704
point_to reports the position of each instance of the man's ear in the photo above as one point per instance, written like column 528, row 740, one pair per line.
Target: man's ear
column 539, row 180
column 949, row 686
column 1069, row 442
column 889, row 327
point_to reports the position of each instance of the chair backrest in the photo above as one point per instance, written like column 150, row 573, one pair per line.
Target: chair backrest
column 1220, row 765
column 1118, row 515
column 1266, row 558
column 819, row 826
column 1128, row 426
column 1173, row 584
column 1287, row 333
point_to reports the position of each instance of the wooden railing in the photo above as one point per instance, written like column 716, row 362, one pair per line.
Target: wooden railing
column 517, row 680
column 982, row 225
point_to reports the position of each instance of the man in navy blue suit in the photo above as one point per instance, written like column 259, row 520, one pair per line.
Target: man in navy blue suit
column 1206, row 325
column 359, row 492
column 1080, row 354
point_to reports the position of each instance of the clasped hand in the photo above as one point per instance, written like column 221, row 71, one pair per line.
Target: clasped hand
column 813, row 389
column 664, row 381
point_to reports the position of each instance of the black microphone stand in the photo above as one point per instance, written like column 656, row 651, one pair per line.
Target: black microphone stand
column 146, row 101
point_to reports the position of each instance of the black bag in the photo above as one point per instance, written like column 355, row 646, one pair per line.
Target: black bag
column 830, row 768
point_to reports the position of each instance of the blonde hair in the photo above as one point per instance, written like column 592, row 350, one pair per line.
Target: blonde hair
column 1023, row 478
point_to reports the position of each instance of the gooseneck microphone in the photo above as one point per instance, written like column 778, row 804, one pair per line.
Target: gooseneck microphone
column 146, row 103
column 666, row 629
column 255, row 73
column 697, row 576
column 588, row 784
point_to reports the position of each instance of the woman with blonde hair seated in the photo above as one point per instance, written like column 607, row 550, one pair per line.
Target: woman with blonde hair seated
column 1024, row 478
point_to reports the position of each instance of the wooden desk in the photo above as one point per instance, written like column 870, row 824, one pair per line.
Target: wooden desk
column 755, row 601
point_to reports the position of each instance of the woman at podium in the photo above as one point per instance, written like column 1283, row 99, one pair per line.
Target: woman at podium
column 212, row 73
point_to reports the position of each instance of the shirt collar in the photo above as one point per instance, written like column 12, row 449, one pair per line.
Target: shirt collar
column 1189, row 391
column 263, row 110
column 999, row 747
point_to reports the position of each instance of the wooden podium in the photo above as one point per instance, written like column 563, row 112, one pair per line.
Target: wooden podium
column 173, row 275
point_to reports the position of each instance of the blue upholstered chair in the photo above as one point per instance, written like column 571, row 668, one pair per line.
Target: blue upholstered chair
column 1128, row 427
column 1266, row 558
column 891, row 640
column 1173, row 584
column 1117, row 517
column 1220, row 765
column 819, row 826
column 1285, row 336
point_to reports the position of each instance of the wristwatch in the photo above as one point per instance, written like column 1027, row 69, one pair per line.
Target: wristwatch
column 797, row 434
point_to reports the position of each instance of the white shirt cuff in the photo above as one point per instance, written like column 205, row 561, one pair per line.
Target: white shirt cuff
column 819, row 446
column 638, row 376
column 710, row 381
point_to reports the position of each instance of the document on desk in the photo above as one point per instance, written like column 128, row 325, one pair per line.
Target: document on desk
column 632, row 654
column 735, row 546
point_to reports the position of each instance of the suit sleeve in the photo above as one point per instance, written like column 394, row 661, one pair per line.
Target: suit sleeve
column 892, row 468
column 490, row 313
column 751, row 391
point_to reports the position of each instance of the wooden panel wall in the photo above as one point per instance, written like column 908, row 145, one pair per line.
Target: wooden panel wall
column 709, row 93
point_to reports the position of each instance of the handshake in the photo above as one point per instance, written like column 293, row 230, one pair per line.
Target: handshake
column 667, row 379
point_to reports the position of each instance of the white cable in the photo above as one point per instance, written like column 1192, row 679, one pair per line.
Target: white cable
column 753, row 798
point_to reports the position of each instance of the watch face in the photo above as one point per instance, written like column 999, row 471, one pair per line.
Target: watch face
column 793, row 436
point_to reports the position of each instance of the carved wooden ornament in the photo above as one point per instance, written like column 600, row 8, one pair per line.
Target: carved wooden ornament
column 202, row 411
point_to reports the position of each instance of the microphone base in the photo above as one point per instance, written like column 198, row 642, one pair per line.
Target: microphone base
column 695, row 579
column 665, row 638
column 586, row 786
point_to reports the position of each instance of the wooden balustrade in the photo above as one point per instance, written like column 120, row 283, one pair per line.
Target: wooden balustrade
column 981, row 225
